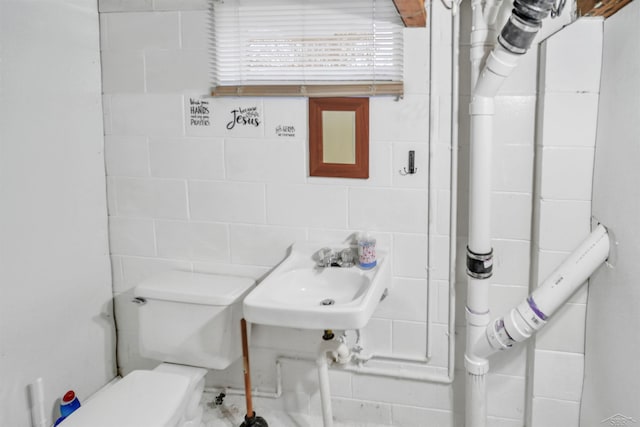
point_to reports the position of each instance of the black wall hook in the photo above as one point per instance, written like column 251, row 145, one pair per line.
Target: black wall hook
column 412, row 164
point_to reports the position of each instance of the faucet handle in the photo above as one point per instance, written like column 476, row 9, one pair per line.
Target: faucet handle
column 327, row 257
column 324, row 257
column 347, row 258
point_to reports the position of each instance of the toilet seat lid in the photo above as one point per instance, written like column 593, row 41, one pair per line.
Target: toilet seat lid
column 140, row 399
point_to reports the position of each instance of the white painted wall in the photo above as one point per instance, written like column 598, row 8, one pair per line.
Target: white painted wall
column 55, row 286
column 173, row 203
column 569, row 85
column 612, row 340
column 209, row 199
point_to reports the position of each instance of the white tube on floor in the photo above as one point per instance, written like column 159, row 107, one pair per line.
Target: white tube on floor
column 38, row 417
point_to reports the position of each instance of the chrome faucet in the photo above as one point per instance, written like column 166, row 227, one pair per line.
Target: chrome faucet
column 327, row 257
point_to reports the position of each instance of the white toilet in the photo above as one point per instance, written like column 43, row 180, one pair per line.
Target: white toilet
column 190, row 321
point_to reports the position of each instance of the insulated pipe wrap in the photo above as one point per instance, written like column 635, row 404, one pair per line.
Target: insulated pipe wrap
column 517, row 36
column 526, row 19
column 533, row 11
column 479, row 266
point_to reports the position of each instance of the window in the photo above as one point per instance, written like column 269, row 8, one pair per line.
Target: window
column 307, row 47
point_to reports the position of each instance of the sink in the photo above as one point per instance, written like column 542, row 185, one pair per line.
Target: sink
column 298, row 294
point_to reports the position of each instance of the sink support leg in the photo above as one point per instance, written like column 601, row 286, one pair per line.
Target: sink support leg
column 340, row 353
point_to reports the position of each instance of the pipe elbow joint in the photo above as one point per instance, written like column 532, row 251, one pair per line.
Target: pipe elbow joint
column 342, row 354
column 524, row 320
column 499, row 65
column 337, row 350
column 498, row 338
column 517, row 326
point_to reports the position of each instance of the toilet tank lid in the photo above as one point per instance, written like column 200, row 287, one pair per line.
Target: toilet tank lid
column 141, row 399
column 194, row 288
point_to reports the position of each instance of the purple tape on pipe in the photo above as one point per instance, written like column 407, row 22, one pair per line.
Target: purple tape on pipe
column 535, row 309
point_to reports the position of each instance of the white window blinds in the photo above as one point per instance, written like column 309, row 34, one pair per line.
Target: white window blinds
column 307, row 47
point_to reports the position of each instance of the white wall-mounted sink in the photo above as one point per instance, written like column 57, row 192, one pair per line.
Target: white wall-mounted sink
column 298, row 294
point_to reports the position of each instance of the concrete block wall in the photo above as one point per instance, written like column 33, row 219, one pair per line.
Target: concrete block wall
column 567, row 117
column 187, row 192
column 200, row 197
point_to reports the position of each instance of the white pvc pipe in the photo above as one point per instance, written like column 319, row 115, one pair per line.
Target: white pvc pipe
column 340, row 353
column 481, row 110
column 433, row 137
column 475, row 414
column 499, row 65
column 479, row 40
column 572, row 273
column 410, row 367
column 533, row 313
column 484, row 87
column 325, row 394
column 402, row 368
column 38, row 417
column 433, row 108
column 491, row 9
column 402, row 372
column 255, row 393
column 484, row 337
column 453, row 192
column 476, row 365
column 405, row 370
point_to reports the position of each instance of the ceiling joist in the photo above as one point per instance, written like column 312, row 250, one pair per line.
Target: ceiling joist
column 604, row 8
column 412, row 12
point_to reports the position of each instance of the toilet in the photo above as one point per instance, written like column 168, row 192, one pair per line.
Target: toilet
column 188, row 321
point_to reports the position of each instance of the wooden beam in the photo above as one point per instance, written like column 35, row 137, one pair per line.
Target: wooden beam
column 412, row 12
column 604, row 8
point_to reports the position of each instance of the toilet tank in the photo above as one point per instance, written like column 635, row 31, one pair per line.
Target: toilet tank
column 191, row 318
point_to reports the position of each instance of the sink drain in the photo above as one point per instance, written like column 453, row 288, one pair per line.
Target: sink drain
column 327, row 301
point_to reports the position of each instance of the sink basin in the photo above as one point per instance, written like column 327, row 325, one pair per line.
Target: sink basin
column 298, row 294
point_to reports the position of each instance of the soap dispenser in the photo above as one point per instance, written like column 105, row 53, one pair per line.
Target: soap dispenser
column 366, row 251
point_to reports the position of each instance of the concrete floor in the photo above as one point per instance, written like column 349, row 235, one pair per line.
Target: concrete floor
column 231, row 414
